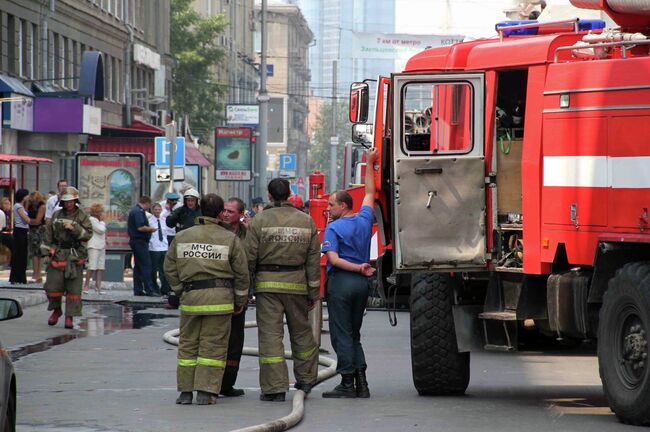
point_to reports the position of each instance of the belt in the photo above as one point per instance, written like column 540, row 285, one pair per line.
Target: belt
column 279, row 268
column 207, row 283
column 68, row 245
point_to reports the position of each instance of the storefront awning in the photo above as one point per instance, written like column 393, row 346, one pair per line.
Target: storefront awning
column 18, row 159
column 141, row 145
column 13, row 85
column 137, row 127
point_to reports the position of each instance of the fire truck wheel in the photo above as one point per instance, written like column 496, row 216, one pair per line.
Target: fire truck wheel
column 623, row 343
column 438, row 367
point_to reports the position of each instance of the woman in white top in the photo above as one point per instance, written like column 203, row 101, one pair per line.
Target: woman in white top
column 96, row 248
column 21, row 228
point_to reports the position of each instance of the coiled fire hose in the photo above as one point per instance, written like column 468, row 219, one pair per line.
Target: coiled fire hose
column 298, row 411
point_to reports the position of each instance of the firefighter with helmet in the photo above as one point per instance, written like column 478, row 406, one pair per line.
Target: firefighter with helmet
column 62, row 243
column 207, row 270
column 184, row 216
column 283, row 250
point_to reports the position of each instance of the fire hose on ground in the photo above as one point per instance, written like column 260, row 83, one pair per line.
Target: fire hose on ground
column 298, row 411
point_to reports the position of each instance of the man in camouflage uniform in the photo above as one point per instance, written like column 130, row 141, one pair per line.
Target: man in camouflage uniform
column 283, row 251
column 206, row 268
column 62, row 244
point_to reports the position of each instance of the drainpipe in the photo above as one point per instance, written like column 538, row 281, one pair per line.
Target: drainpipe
column 128, row 60
column 45, row 38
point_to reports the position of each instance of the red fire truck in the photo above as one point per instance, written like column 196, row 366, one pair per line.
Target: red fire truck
column 514, row 188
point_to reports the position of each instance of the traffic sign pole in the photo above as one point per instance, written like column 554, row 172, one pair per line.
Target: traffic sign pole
column 170, row 137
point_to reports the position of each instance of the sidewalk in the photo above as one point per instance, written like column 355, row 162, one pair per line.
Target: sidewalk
column 113, row 292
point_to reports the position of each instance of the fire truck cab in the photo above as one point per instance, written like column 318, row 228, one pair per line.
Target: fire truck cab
column 513, row 196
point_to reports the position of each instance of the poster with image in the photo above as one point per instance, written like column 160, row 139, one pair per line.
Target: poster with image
column 233, row 157
column 157, row 190
column 114, row 180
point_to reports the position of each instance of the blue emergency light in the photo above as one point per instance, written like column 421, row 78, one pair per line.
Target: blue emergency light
column 583, row 25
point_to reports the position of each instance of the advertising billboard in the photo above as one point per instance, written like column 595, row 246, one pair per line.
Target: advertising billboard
column 243, row 114
column 191, row 179
column 114, row 180
column 233, row 158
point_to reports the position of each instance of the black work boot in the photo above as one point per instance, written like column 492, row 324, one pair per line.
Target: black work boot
column 361, row 383
column 343, row 390
column 205, row 398
column 185, row 398
column 272, row 397
column 232, row 392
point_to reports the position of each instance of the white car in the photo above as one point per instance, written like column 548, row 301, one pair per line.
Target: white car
column 9, row 309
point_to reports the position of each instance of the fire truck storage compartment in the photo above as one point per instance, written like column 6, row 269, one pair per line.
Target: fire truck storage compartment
column 510, row 114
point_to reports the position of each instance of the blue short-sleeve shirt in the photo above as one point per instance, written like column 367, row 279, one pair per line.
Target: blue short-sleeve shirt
column 350, row 237
column 137, row 218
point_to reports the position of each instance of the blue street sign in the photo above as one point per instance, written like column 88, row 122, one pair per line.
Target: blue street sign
column 269, row 70
column 288, row 162
column 294, row 188
column 163, row 151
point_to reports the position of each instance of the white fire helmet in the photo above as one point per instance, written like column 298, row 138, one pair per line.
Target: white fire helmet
column 192, row 193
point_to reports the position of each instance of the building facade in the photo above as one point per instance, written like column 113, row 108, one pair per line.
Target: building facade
column 238, row 72
column 42, row 50
column 289, row 39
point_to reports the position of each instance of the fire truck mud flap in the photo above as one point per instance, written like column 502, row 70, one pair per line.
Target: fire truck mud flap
column 438, row 367
column 623, row 343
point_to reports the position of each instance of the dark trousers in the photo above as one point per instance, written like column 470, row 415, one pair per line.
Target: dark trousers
column 19, row 257
column 142, row 283
column 235, row 349
column 347, row 295
column 157, row 270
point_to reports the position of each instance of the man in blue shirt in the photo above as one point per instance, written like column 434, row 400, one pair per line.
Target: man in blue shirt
column 346, row 244
column 139, row 235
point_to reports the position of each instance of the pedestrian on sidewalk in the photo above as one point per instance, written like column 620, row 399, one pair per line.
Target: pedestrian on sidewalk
column 68, row 228
column 53, row 201
column 96, row 248
column 18, row 275
column 139, row 235
column 207, row 270
column 233, row 215
column 169, row 205
column 36, row 213
column 283, row 251
column 6, row 237
column 346, row 244
column 157, row 250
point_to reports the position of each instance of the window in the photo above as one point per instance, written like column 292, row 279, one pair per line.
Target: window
column 437, row 118
column 11, row 44
column 108, row 78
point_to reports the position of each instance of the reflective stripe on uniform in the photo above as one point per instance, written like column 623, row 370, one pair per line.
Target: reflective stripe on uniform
column 73, row 297
column 187, row 362
column 54, row 293
column 241, row 292
column 271, row 360
column 281, row 285
column 211, row 362
column 304, row 355
column 208, row 308
column 314, row 284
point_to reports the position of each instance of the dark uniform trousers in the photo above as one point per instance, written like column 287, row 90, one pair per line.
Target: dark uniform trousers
column 202, row 350
column 271, row 309
column 235, row 350
column 57, row 285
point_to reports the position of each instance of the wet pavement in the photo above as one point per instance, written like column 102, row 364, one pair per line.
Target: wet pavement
column 98, row 320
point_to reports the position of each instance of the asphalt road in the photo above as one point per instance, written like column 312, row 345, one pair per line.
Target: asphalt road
column 125, row 381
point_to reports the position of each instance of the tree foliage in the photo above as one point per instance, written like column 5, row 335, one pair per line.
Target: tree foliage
column 195, row 47
column 319, row 154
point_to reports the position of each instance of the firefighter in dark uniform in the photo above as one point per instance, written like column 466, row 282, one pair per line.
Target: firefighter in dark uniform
column 62, row 245
column 283, row 251
column 233, row 214
column 206, row 268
